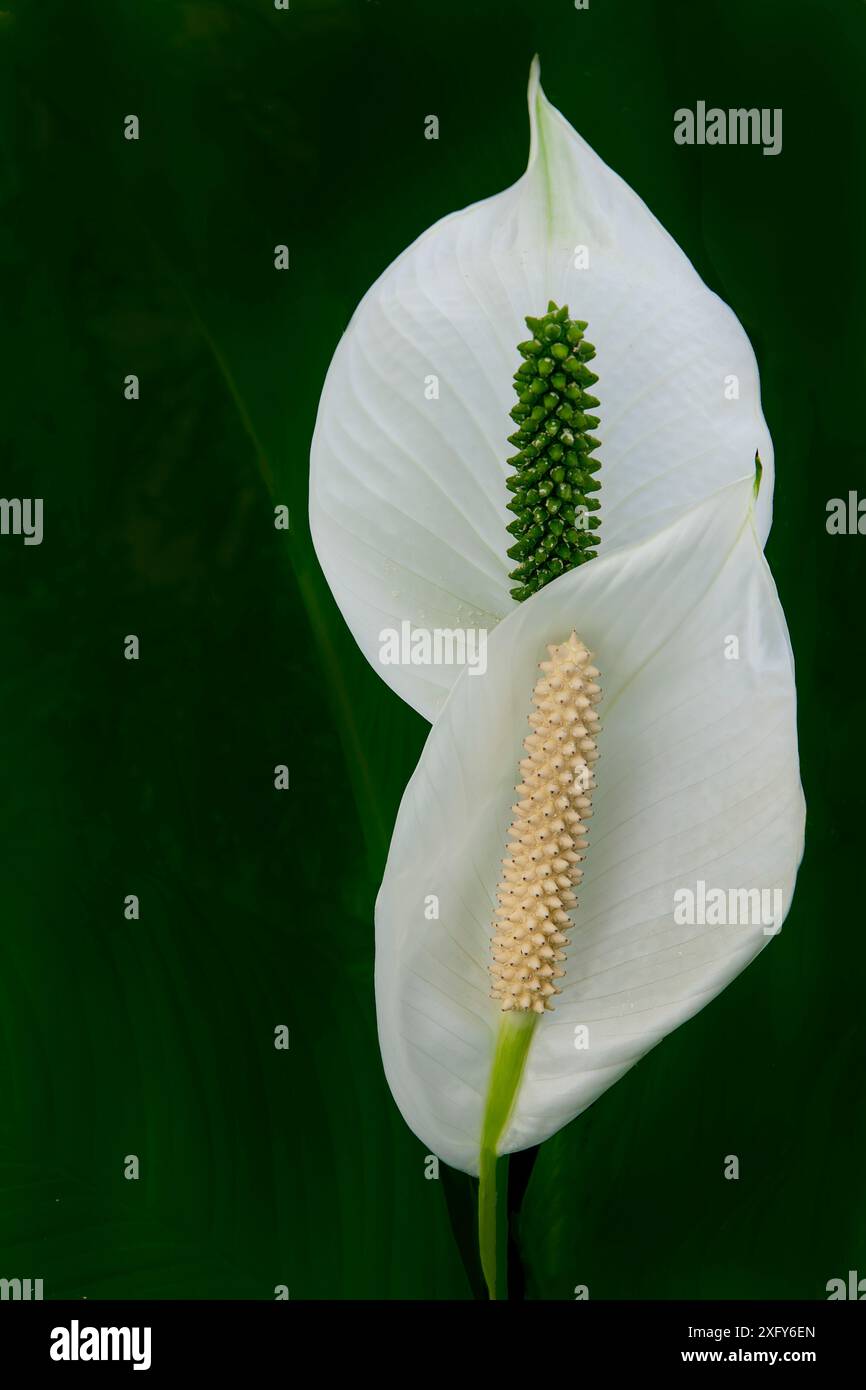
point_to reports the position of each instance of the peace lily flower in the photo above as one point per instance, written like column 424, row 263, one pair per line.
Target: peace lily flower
column 408, row 496
column 677, row 648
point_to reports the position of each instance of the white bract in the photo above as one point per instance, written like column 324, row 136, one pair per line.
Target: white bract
column 697, row 781
column 407, row 492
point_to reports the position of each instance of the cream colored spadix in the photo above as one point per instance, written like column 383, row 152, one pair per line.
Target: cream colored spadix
column 408, row 504
column 536, row 891
column 697, row 780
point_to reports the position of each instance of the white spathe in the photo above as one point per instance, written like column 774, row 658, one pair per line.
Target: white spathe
column 698, row 779
column 407, row 494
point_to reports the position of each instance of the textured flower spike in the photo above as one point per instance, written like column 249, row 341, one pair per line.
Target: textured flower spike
column 536, row 891
column 553, row 524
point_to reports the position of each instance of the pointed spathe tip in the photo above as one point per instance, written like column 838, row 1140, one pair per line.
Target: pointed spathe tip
column 533, row 93
column 759, row 473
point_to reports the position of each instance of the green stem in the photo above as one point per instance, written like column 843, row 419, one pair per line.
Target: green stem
column 512, row 1046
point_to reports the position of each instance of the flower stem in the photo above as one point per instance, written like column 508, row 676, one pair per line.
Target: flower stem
column 512, row 1045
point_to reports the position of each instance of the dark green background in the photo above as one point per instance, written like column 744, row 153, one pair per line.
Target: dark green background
column 156, row 1038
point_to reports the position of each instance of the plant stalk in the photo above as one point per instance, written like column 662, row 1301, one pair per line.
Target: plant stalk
column 512, row 1046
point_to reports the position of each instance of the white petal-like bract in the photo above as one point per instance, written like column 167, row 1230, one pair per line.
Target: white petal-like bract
column 697, row 784
column 408, row 504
